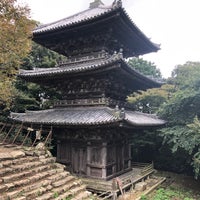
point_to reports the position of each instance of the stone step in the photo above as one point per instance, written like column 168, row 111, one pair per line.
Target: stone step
column 10, row 166
column 47, row 160
column 66, row 187
column 25, row 173
column 20, row 198
column 34, row 178
column 27, row 181
column 28, row 190
column 26, row 159
column 36, row 190
column 46, row 196
column 35, row 193
column 71, row 193
column 66, row 195
column 63, row 181
column 3, row 188
column 82, row 195
column 34, row 174
column 5, row 170
column 58, row 176
column 11, row 155
column 25, row 166
column 77, row 190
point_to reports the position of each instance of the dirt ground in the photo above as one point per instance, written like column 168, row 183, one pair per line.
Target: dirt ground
column 174, row 180
column 180, row 180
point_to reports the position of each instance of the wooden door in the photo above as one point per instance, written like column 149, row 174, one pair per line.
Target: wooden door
column 119, row 158
column 79, row 159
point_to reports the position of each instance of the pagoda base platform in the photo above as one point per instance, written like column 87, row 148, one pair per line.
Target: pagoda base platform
column 141, row 172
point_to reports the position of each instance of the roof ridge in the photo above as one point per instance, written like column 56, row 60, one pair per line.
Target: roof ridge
column 106, row 8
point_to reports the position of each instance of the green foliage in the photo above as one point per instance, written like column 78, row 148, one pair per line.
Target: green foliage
column 31, row 96
column 178, row 102
column 15, row 32
column 143, row 197
column 145, row 67
column 182, row 112
column 170, row 194
column 41, row 57
column 186, row 76
column 150, row 100
column 183, row 106
column 69, row 198
column 55, row 195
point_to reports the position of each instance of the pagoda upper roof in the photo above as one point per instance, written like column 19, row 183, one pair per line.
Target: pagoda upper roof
column 98, row 15
column 87, row 116
column 89, row 65
column 84, row 16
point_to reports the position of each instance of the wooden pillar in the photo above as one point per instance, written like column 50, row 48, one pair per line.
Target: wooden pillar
column 58, row 150
column 104, row 159
column 88, row 158
column 123, row 155
column 129, row 155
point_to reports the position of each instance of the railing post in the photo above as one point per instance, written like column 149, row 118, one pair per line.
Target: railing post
column 18, row 132
column 114, row 189
column 49, row 135
column 8, row 133
column 4, row 125
column 37, row 135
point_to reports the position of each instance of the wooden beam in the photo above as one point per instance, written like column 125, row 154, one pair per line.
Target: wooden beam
column 17, row 134
column 11, row 128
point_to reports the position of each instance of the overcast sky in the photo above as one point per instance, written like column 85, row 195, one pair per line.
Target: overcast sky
column 172, row 23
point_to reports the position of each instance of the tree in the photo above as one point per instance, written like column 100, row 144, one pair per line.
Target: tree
column 41, row 57
column 178, row 102
column 186, row 76
column 15, row 33
column 29, row 96
column 149, row 101
column 145, row 67
column 183, row 111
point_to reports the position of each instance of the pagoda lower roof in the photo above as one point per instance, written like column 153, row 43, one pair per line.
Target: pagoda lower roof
column 87, row 66
column 87, row 116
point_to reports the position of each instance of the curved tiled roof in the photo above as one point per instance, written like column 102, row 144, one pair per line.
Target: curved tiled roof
column 142, row 119
column 87, row 66
column 80, row 17
column 91, row 14
column 86, row 116
column 70, row 68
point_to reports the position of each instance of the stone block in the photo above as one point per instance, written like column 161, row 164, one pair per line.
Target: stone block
column 17, row 154
column 141, row 186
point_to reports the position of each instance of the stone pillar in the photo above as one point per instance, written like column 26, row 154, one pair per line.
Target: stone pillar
column 88, row 157
column 104, row 159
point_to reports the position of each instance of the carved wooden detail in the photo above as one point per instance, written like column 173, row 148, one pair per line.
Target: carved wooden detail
column 80, row 44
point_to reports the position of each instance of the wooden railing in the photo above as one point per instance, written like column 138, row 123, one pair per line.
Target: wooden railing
column 145, row 167
column 120, row 185
column 19, row 134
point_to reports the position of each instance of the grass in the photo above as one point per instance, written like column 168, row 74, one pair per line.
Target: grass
column 170, row 193
column 176, row 187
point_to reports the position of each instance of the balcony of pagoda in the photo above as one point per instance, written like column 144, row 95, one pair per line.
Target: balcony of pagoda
column 92, row 102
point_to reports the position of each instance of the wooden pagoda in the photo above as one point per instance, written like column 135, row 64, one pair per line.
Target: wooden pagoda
column 92, row 122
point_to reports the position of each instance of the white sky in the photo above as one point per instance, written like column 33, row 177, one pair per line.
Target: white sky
column 175, row 24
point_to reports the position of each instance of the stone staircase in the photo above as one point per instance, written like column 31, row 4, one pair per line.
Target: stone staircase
column 32, row 173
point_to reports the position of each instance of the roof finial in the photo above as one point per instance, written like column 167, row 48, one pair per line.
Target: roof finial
column 117, row 3
column 96, row 4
